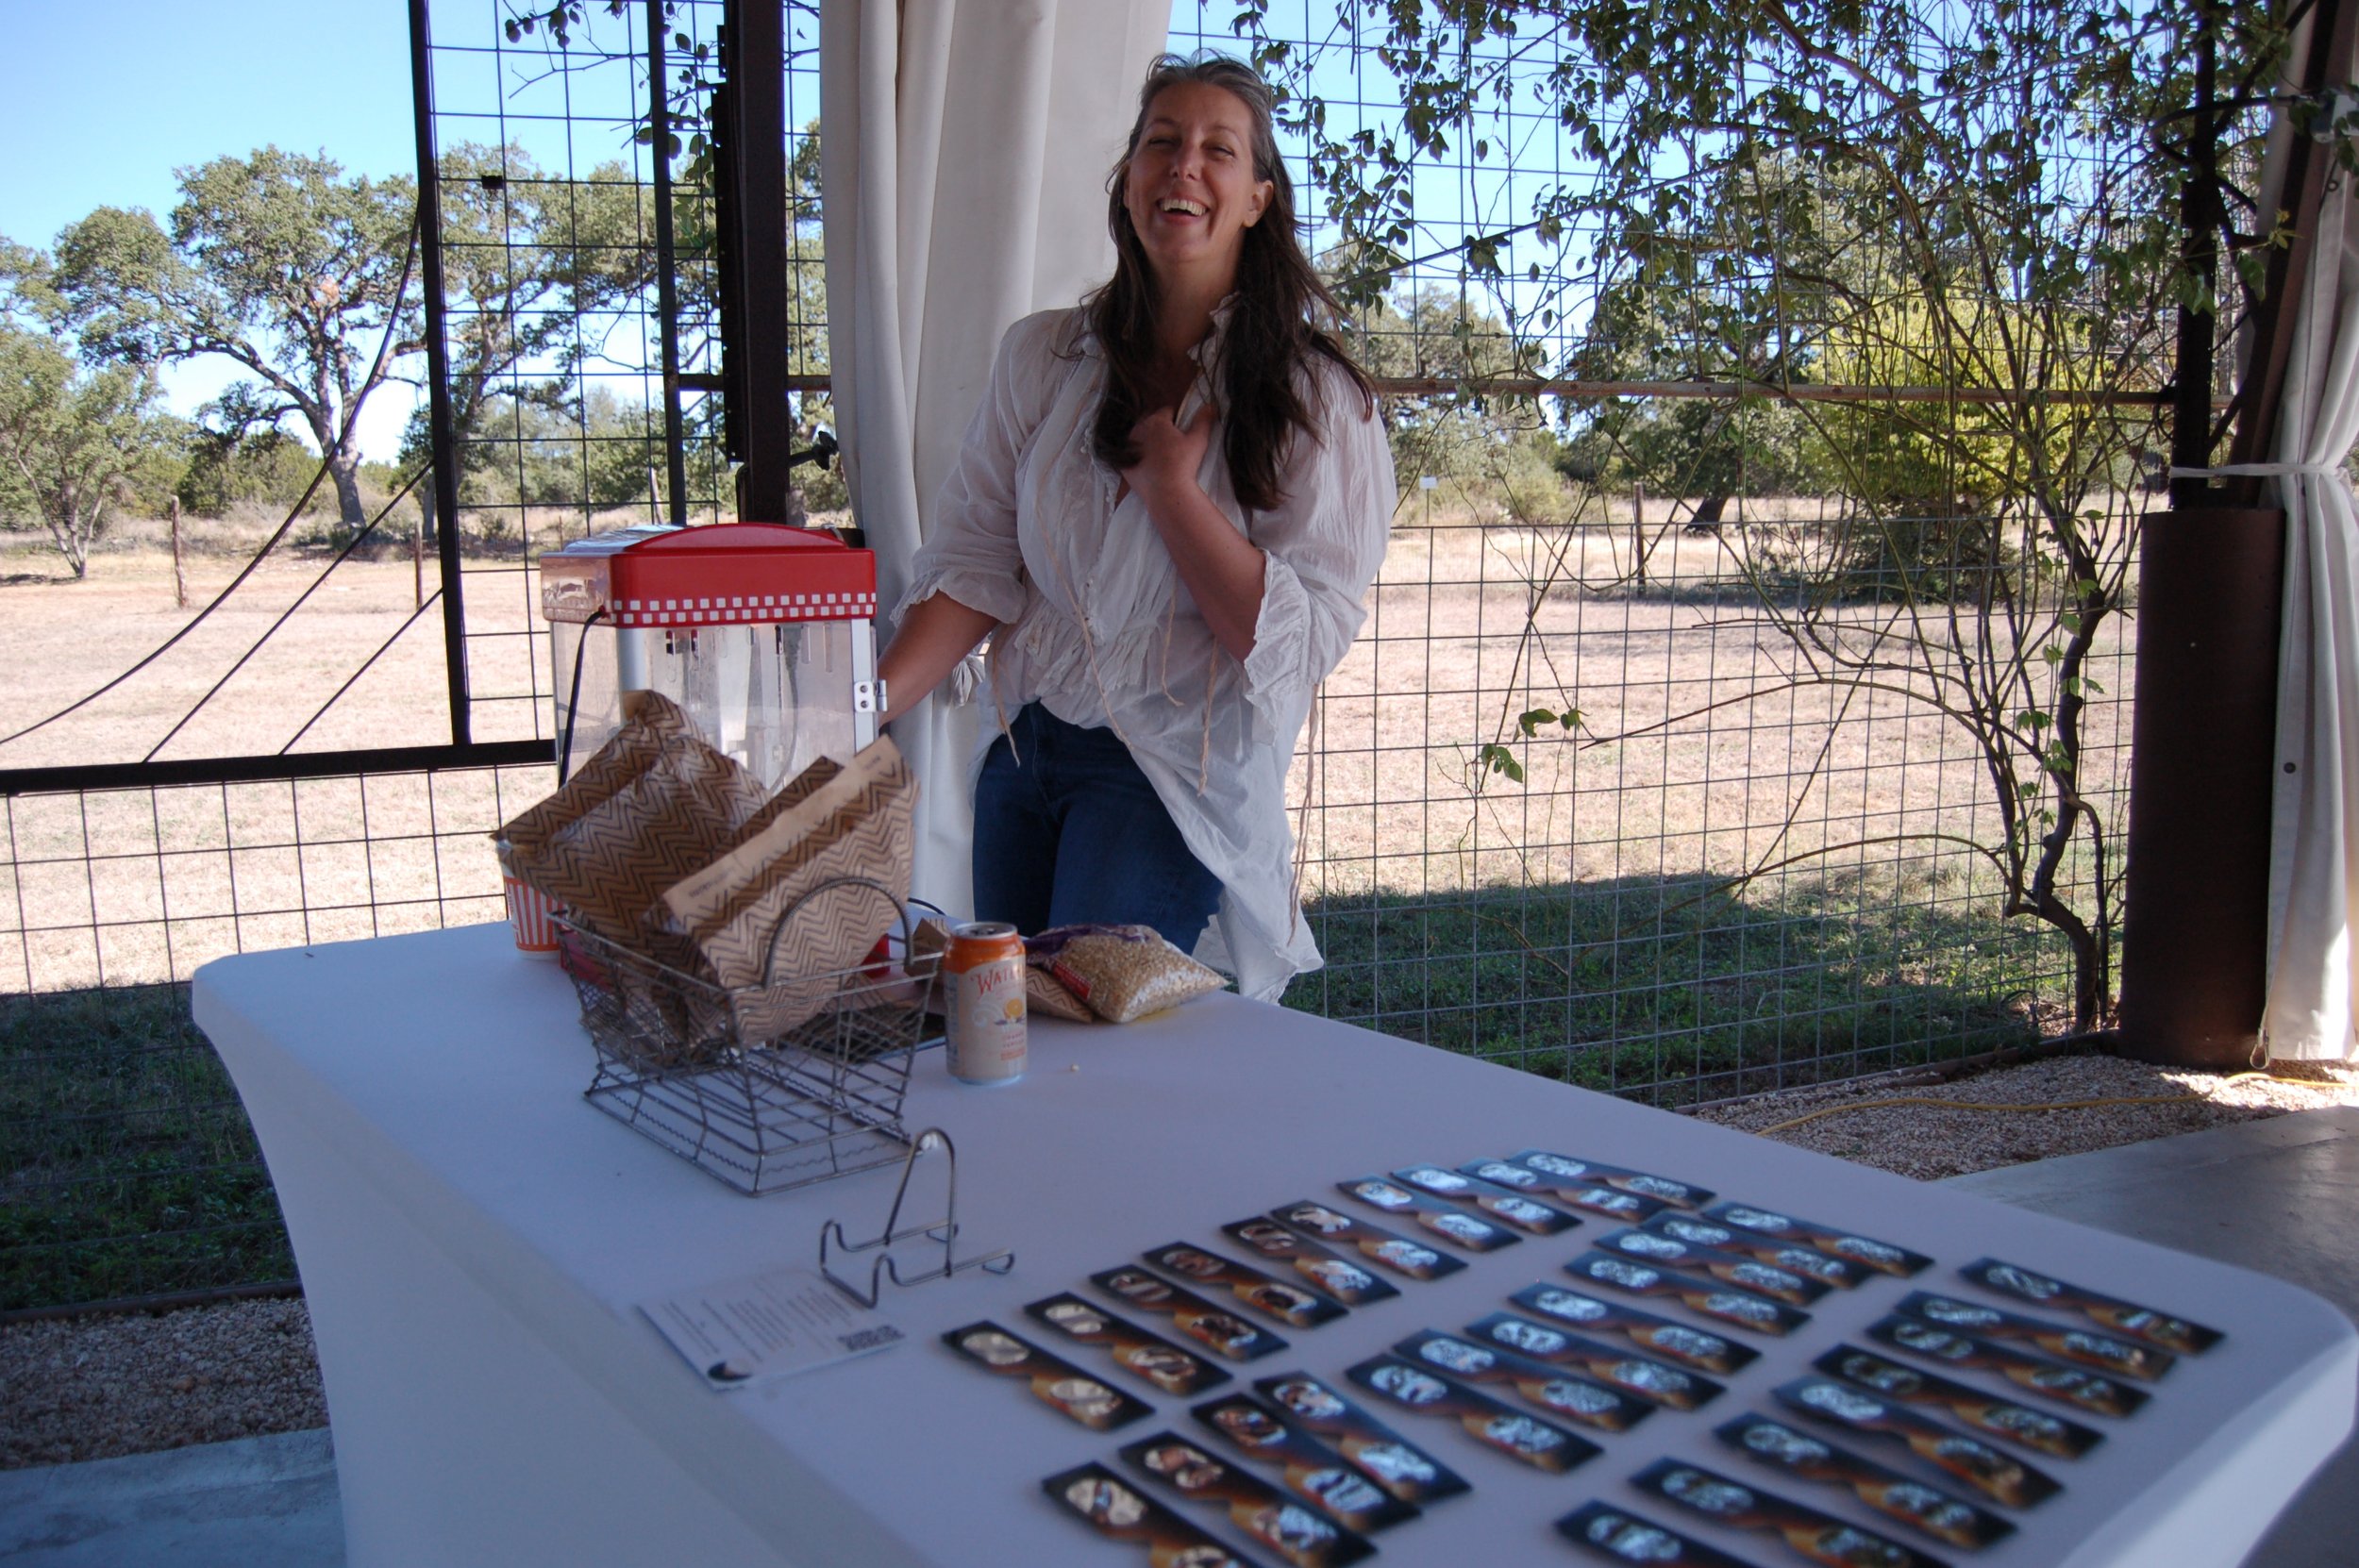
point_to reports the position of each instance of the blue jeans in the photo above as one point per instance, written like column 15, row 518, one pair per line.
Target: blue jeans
column 1068, row 831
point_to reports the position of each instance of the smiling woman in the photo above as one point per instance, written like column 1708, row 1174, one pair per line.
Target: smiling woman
column 1165, row 516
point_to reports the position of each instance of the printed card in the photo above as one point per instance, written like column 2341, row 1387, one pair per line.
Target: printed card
column 1819, row 1537
column 1056, row 1383
column 1119, row 1512
column 1310, row 1469
column 2087, row 1390
column 1136, row 1351
column 1913, row 1502
column 1294, row 1532
column 1338, row 1276
column 1655, row 1189
column 1881, row 1256
column 1374, row 1242
column 1222, row 1332
column 1797, row 1259
column 1708, row 1296
column 1447, row 1220
column 742, row 1332
column 1564, row 1182
column 2117, row 1357
column 1575, row 1398
column 1289, row 1304
column 1541, row 1444
column 2125, row 1318
column 1652, row 1381
column 2000, row 1476
column 1621, row 1536
column 1402, row 1469
column 1527, row 1215
column 1685, row 1345
column 1984, row 1412
column 1651, row 1247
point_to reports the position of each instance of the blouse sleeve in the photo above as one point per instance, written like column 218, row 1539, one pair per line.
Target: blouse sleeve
column 1322, row 547
column 971, row 552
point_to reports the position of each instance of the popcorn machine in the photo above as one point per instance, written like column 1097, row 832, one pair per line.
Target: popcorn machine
column 761, row 632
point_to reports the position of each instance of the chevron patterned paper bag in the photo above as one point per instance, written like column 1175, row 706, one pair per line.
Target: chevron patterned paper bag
column 670, row 804
column 654, row 722
column 736, row 911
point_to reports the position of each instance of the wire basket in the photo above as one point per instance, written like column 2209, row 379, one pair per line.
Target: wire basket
column 818, row 1100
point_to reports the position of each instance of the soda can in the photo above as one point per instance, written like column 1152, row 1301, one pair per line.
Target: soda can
column 983, row 979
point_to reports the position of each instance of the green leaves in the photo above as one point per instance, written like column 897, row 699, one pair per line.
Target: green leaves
column 1530, row 721
column 71, row 439
column 1499, row 759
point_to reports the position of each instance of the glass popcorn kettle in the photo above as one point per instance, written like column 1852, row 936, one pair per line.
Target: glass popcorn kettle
column 762, row 633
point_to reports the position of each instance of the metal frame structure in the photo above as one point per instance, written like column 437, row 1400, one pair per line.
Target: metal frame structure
column 1567, row 926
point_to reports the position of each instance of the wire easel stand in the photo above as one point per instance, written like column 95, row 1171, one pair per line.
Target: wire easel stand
column 944, row 1231
column 707, row 1071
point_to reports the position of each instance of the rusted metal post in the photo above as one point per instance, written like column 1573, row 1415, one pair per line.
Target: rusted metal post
column 2195, row 937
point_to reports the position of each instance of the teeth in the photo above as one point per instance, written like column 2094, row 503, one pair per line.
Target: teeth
column 1181, row 204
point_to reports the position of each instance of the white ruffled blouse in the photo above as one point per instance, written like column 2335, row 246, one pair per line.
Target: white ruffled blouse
column 1096, row 625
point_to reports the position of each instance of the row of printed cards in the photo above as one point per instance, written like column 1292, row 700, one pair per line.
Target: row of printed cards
column 1550, row 1382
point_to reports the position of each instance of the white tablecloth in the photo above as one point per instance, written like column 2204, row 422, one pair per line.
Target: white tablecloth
column 473, row 1238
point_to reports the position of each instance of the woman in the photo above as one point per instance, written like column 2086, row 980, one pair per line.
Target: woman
column 1165, row 515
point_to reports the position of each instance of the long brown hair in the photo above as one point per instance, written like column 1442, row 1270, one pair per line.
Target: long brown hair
column 1278, row 326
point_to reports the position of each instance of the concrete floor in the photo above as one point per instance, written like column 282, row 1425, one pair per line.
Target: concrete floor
column 267, row 1502
column 2276, row 1197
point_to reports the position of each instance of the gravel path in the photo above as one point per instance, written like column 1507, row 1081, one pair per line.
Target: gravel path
column 1931, row 1141
column 94, row 1388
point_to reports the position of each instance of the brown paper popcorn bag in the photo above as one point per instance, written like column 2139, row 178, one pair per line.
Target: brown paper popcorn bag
column 652, row 722
column 653, row 806
column 747, row 912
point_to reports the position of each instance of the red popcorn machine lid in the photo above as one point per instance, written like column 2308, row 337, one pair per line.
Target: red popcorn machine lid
column 725, row 574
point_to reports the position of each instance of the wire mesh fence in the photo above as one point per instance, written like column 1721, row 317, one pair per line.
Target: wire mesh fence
column 1665, row 764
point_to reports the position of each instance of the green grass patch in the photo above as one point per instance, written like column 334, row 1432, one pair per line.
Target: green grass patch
column 1672, row 993
column 129, row 1169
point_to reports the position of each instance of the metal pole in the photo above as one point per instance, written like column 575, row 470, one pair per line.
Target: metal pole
column 438, row 412
column 754, row 56
column 667, row 283
column 2199, row 220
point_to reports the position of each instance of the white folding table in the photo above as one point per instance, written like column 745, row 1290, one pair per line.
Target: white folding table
column 473, row 1238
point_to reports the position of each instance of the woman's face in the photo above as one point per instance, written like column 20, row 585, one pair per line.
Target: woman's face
column 1189, row 186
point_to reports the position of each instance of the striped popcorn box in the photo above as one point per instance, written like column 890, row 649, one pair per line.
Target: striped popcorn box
column 528, row 912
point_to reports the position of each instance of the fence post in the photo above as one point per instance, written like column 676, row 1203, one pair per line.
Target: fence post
column 1638, row 529
column 179, row 578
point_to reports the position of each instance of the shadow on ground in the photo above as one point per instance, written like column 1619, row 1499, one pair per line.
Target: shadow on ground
column 1672, row 992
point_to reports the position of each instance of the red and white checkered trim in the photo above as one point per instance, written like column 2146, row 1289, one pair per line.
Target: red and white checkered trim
column 745, row 609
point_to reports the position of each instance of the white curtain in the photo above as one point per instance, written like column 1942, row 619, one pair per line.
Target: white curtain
column 964, row 147
column 2314, row 854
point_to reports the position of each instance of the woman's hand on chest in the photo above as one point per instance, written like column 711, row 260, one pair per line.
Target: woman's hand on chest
column 1171, row 455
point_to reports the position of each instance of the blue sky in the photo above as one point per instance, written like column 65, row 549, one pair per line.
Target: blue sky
column 104, row 101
